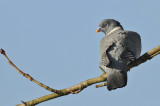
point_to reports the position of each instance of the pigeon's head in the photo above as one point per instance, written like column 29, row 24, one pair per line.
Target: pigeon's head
column 107, row 25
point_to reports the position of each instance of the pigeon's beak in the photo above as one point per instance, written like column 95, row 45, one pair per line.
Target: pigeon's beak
column 98, row 30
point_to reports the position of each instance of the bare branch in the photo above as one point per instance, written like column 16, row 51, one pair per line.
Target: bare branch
column 79, row 87
column 67, row 91
column 147, row 56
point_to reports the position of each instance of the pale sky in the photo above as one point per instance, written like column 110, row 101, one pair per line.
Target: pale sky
column 55, row 41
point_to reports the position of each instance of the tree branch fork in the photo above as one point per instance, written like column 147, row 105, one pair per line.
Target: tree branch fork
column 79, row 87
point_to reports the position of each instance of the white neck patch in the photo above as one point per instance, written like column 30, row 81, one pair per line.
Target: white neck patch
column 114, row 29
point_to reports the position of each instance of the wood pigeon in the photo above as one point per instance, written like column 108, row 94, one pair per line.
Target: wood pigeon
column 117, row 49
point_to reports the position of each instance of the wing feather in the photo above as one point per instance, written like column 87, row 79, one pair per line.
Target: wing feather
column 132, row 43
column 105, row 45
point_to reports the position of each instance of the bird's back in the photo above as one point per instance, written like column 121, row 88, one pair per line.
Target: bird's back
column 120, row 48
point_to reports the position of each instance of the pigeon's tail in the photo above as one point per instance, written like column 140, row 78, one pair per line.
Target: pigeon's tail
column 116, row 79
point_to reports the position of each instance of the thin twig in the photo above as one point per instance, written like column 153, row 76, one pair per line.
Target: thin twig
column 101, row 85
column 102, row 69
column 27, row 75
column 23, row 102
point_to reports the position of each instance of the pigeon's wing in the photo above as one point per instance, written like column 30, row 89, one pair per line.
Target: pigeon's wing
column 105, row 44
column 132, row 43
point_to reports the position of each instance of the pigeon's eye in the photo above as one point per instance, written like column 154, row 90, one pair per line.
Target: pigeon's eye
column 105, row 24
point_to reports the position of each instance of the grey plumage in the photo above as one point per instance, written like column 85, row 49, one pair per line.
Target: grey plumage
column 117, row 49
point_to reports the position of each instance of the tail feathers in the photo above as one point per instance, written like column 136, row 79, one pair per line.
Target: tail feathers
column 116, row 79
